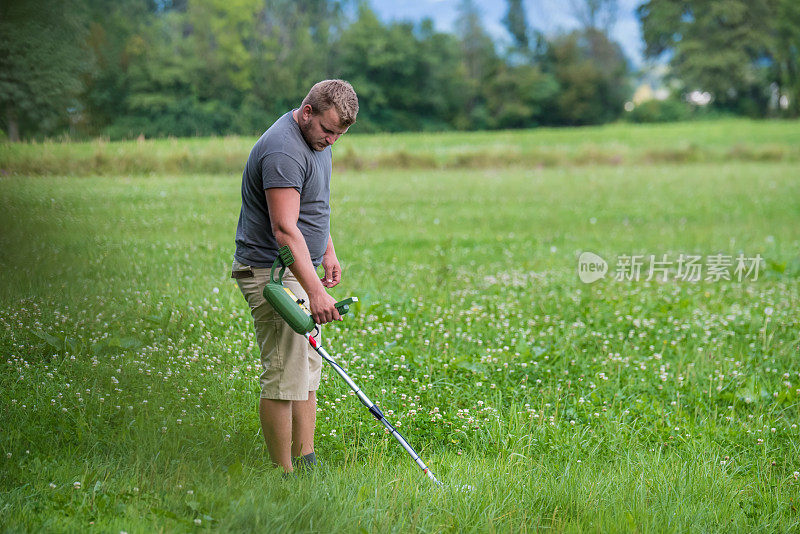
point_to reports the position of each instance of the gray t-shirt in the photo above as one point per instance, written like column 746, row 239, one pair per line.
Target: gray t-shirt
column 282, row 158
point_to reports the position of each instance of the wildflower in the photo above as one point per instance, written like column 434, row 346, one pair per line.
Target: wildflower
column 76, row 485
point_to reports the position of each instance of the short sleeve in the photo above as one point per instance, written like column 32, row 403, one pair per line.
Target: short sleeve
column 281, row 170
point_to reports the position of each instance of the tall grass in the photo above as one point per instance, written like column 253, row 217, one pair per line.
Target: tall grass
column 618, row 144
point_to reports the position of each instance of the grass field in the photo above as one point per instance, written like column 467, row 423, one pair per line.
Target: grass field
column 129, row 368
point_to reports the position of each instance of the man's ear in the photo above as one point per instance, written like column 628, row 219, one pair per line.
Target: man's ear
column 306, row 112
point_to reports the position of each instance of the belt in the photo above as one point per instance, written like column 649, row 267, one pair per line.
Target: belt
column 242, row 274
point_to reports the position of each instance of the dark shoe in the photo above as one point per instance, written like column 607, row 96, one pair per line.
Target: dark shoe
column 307, row 464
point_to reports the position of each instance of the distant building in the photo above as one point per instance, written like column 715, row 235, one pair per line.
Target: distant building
column 646, row 92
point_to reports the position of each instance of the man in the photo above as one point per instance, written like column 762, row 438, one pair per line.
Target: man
column 285, row 201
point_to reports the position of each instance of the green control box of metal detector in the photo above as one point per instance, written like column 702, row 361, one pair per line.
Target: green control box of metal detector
column 288, row 306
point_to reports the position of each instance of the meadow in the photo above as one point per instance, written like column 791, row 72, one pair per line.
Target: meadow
column 129, row 367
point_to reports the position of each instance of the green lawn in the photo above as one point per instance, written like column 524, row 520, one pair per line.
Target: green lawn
column 129, row 369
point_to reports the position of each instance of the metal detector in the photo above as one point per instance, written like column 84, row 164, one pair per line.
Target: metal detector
column 298, row 317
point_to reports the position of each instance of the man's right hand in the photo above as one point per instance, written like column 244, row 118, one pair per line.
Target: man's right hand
column 323, row 309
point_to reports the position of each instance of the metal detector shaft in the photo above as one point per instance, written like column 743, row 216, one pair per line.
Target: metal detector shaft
column 373, row 409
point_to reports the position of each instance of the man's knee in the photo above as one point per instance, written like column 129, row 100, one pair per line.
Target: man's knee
column 277, row 405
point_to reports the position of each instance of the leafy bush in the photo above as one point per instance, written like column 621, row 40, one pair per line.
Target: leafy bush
column 670, row 110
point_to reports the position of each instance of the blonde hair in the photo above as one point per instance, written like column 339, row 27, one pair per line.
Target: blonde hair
column 334, row 93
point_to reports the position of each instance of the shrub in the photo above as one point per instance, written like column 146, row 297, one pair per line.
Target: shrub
column 670, row 110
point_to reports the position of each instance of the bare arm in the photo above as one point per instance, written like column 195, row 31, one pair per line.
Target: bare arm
column 284, row 210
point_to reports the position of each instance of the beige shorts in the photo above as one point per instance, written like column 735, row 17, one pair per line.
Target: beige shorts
column 290, row 367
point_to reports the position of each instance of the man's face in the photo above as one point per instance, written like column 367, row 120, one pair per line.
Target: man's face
column 320, row 130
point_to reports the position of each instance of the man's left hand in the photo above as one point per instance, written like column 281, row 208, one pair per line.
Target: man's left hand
column 333, row 271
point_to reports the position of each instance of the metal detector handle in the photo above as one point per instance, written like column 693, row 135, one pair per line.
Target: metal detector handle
column 282, row 261
column 343, row 306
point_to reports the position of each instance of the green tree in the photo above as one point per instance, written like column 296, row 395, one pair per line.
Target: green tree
column 480, row 62
column 517, row 24
column 116, row 29
column 294, row 48
column 518, row 96
column 194, row 67
column 785, row 51
column 164, row 96
column 407, row 77
column 444, row 81
column 600, row 15
column 715, row 46
column 592, row 75
column 41, row 63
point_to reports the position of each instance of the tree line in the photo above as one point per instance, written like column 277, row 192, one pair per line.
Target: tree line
column 126, row 68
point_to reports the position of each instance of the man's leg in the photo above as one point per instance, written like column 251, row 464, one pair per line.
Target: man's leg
column 304, row 419
column 276, row 425
column 287, row 361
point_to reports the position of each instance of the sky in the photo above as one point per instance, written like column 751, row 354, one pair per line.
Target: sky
column 549, row 16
